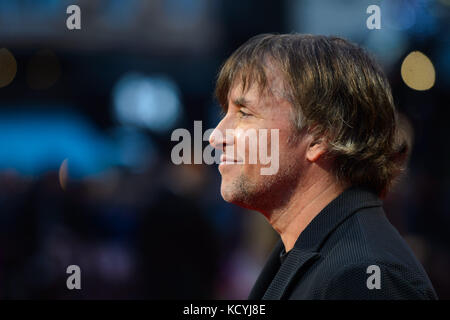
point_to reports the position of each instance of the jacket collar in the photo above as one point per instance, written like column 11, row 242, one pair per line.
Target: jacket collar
column 306, row 249
column 338, row 210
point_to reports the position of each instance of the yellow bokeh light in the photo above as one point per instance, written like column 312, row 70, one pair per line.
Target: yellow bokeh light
column 418, row 71
column 8, row 67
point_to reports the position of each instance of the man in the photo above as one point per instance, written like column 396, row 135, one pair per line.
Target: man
column 338, row 156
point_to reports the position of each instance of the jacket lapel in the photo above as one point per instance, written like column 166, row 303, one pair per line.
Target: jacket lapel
column 295, row 261
column 267, row 274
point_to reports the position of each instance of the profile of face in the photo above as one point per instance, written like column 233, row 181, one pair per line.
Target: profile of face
column 242, row 181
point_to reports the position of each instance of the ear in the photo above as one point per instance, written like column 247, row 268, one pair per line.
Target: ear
column 316, row 149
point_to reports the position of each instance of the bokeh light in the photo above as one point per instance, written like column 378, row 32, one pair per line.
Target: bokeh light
column 148, row 102
column 8, row 67
column 399, row 14
column 418, row 71
column 38, row 141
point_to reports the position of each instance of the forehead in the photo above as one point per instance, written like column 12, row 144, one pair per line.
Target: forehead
column 257, row 95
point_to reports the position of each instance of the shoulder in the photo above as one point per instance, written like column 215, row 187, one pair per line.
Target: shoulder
column 368, row 259
column 369, row 236
column 370, row 280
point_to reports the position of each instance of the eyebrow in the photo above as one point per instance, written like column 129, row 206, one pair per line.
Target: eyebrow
column 241, row 102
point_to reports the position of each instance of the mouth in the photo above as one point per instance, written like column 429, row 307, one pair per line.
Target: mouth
column 226, row 160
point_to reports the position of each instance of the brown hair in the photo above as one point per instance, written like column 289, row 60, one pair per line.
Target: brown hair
column 337, row 91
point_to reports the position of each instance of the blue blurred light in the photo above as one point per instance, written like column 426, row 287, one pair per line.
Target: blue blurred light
column 121, row 14
column 387, row 45
column 399, row 14
column 427, row 20
column 147, row 102
column 34, row 142
column 415, row 16
column 15, row 11
column 329, row 17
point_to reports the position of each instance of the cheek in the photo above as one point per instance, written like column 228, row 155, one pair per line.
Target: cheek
column 246, row 145
column 291, row 150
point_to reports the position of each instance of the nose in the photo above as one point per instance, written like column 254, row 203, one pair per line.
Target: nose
column 218, row 138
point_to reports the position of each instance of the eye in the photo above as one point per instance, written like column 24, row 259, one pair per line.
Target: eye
column 244, row 114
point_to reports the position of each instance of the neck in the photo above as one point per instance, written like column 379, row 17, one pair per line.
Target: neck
column 303, row 206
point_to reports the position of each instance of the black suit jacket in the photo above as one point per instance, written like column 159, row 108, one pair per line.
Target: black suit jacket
column 331, row 257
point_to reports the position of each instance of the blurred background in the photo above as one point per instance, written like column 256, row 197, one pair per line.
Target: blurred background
column 86, row 118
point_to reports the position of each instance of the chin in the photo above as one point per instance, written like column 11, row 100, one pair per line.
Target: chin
column 227, row 194
column 233, row 194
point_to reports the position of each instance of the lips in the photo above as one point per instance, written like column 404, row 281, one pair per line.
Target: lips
column 227, row 160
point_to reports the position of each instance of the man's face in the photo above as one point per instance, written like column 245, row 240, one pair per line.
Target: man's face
column 242, row 181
